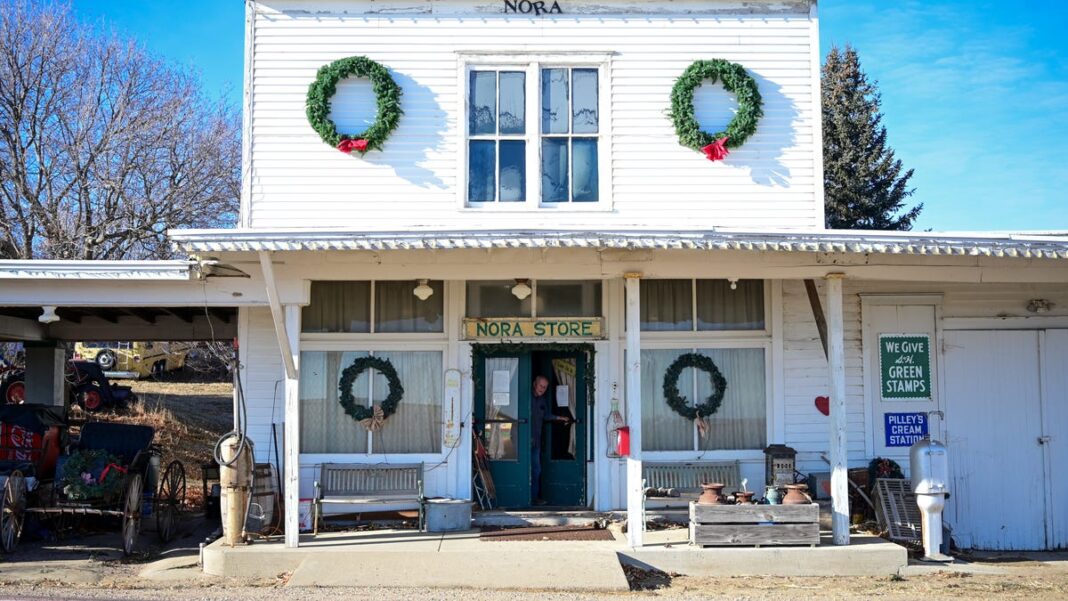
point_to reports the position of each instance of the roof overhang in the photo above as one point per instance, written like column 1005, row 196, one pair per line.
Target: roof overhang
column 1001, row 245
column 100, row 270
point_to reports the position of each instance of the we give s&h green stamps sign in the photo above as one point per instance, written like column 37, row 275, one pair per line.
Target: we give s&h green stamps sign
column 905, row 367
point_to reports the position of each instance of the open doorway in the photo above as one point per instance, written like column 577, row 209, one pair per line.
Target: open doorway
column 531, row 409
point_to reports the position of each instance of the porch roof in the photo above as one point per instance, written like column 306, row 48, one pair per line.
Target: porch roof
column 1044, row 245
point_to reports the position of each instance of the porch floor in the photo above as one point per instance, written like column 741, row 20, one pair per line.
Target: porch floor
column 461, row 560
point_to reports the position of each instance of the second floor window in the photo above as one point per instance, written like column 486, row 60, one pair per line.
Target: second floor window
column 533, row 135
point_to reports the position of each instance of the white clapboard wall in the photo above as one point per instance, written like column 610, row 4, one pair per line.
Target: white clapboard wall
column 294, row 180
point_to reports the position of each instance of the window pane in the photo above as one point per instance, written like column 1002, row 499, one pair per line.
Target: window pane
column 513, row 103
column 720, row 308
column 324, row 425
column 569, row 298
column 338, row 307
column 741, row 422
column 495, row 299
column 584, row 169
column 416, row 426
column 662, row 428
column 397, row 309
column 554, row 104
column 584, row 105
column 483, row 109
column 666, row 305
column 482, row 165
column 554, row 170
column 513, row 170
column 501, row 402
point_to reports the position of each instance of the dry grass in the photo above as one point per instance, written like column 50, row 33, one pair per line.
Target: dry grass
column 188, row 418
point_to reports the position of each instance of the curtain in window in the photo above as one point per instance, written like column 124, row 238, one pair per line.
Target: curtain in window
column 414, row 428
column 720, row 308
column 502, row 402
column 666, row 305
column 398, row 310
column 338, row 307
column 662, row 428
column 324, row 425
column 741, row 422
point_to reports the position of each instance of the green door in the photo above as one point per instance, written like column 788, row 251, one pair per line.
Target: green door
column 502, row 411
column 503, row 397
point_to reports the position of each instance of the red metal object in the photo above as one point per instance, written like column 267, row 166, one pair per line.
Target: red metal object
column 623, row 441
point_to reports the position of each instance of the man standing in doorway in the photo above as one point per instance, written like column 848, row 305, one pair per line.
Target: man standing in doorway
column 541, row 411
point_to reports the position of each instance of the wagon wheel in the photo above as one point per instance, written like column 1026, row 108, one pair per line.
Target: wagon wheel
column 131, row 513
column 169, row 501
column 12, row 511
column 14, row 393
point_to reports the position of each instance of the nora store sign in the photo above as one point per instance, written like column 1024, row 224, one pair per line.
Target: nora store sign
column 537, row 328
column 532, row 7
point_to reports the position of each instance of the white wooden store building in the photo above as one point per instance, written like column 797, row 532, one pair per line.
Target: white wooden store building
column 536, row 187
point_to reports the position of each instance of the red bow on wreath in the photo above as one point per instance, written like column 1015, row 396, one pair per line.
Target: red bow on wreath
column 107, row 469
column 348, row 146
column 717, row 151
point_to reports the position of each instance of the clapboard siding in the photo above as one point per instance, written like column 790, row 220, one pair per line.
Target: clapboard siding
column 805, row 368
column 297, row 181
column 263, row 381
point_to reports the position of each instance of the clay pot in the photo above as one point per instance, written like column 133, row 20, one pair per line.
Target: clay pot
column 795, row 495
column 744, row 498
column 712, row 495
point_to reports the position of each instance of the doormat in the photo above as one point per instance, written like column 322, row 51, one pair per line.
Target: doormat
column 547, row 533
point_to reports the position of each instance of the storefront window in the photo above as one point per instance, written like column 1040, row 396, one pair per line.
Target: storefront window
column 345, row 307
column 414, row 428
column 495, row 299
column 739, row 424
column 564, row 298
column 669, row 305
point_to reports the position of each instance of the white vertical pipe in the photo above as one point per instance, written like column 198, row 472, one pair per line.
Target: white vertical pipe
column 839, row 457
column 632, row 358
column 291, row 430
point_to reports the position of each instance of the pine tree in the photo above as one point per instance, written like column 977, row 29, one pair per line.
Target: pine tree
column 864, row 184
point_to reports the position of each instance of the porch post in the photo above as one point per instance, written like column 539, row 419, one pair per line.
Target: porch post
column 45, row 365
column 632, row 360
column 291, row 431
column 839, row 457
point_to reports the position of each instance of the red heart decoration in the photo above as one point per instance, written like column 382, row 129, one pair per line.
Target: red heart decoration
column 823, row 404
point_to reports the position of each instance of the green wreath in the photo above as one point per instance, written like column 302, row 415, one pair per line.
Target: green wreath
column 387, row 95
column 678, row 402
column 735, row 80
column 348, row 377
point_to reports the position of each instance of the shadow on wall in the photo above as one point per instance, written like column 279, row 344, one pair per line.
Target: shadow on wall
column 419, row 137
column 766, row 165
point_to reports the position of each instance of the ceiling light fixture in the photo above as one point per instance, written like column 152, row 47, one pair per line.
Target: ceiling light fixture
column 734, row 283
column 522, row 289
column 423, row 291
column 48, row 314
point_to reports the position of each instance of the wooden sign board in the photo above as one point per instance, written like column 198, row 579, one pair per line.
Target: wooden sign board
column 542, row 328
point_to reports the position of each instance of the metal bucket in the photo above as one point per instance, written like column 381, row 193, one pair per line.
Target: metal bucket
column 448, row 515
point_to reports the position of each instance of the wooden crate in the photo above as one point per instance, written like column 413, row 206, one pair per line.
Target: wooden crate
column 754, row 525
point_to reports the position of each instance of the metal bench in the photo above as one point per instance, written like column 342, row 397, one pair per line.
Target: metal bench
column 686, row 478
column 387, row 486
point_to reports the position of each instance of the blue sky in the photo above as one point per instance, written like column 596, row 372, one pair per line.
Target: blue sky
column 975, row 94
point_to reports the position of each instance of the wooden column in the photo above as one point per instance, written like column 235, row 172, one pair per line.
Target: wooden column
column 291, row 431
column 633, row 363
column 838, row 450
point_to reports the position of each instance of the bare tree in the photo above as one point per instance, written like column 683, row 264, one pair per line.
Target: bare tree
column 103, row 147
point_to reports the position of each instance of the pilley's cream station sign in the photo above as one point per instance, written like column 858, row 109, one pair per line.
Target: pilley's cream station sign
column 539, row 328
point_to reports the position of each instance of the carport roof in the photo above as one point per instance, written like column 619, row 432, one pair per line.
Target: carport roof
column 41, row 269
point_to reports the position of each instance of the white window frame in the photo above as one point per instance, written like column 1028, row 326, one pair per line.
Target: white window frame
column 374, row 337
column 685, row 336
column 532, row 64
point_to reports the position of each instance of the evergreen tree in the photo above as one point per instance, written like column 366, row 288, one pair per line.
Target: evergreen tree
column 864, row 184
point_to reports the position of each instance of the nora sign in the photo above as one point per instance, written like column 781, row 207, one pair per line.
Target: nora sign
column 541, row 328
column 905, row 367
column 532, row 7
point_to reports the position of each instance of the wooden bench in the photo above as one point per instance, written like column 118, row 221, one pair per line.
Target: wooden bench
column 386, row 486
column 686, row 478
